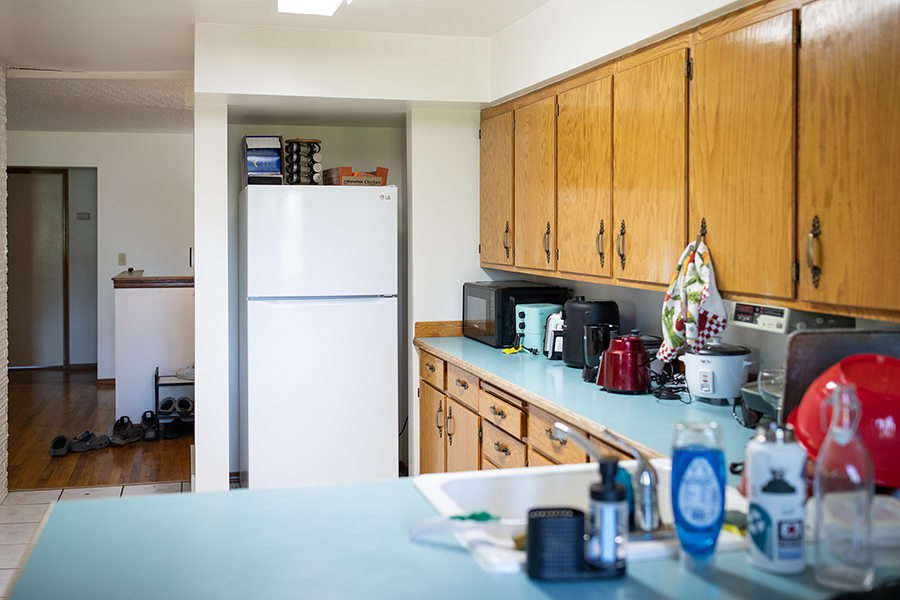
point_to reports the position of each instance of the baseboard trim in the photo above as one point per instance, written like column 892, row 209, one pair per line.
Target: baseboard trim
column 427, row 329
column 106, row 384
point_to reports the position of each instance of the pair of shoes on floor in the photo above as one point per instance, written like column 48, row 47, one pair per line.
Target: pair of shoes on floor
column 186, row 373
column 150, row 424
column 177, row 428
column 125, row 432
column 184, row 407
column 61, row 445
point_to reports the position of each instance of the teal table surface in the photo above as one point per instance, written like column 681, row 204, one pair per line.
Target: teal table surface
column 342, row 541
column 641, row 418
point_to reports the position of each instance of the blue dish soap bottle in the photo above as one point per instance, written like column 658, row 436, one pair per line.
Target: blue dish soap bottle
column 698, row 490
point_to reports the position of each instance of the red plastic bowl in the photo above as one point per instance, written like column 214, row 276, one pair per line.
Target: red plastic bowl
column 877, row 381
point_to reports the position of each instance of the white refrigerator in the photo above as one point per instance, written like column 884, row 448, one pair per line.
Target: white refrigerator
column 319, row 335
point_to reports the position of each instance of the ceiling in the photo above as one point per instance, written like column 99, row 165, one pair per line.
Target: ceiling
column 126, row 65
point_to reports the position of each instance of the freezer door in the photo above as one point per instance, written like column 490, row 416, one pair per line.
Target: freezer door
column 319, row 241
column 322, row 391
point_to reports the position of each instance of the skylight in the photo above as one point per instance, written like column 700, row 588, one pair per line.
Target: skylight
column 323, row 8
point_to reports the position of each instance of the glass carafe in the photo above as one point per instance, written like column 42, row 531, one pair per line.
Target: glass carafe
column 844, row 485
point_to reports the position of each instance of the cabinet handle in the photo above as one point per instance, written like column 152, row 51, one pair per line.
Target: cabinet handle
column 547, row 241
column 506, row 239
column 552, row 437
column 600, row 243
column 450, row 421
column 497, row 413
column 810, row 243
column 463, row 384
column 429, row 367
column 437, row 420
column 620, row 243
column 503, row 448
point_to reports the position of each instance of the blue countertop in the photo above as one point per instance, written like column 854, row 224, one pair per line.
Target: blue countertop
column 641, row 418
column 341, row 541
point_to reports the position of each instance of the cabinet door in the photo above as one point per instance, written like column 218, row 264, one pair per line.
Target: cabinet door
column 848, row 152
column 535, row 191
column 741, row 155
column 497, row 226
column 463, row 445
column 432, row 418
column 649, row 135
column 584, row 173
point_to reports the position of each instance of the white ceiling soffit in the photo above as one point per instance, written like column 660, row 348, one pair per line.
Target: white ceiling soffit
column 99, row 35
column 100, row 105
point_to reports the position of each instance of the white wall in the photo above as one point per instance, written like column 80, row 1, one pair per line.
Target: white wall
column 144, row 190
column 4, row 333
column 565, row 36
column 231, row 59
column 443, row 159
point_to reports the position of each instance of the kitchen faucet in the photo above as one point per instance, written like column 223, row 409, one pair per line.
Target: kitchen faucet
column 643, row 481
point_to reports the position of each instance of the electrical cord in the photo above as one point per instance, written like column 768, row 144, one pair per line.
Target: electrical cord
column 670, row 385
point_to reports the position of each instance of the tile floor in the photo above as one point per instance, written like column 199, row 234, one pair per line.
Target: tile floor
column 22, row 512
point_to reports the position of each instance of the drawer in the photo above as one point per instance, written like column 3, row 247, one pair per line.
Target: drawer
column 431, row 369
column 542, row 438
column 500, row 448
column 536, row 459
column 487, row 465
column 504, row 415
column 606, row 448
column 463, row 386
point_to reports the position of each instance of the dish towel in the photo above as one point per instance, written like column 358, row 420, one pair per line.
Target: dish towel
column 693, row 310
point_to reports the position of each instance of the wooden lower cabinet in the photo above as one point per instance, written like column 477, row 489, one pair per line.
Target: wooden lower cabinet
column 542, row 437
column 536, row 459
column 463, row 443
column 502, row 449
column 432, row 418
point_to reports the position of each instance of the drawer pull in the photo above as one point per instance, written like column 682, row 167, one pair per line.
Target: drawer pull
column 503, row 448
column 429, row 367
column 550, row 435
column 497, row 413
column 463, row 384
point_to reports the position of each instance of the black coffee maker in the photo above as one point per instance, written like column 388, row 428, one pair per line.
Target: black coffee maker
column 577, row 313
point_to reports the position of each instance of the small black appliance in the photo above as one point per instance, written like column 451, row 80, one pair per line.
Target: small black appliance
column 489, row 308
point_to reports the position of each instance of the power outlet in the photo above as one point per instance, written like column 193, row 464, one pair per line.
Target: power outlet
column 122, row 260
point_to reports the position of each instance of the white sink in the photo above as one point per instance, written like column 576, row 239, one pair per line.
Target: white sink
column 511, row 493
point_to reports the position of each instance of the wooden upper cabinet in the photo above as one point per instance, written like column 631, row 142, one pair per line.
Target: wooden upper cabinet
column 741, row 153
column 535, row 185
column 584, row 173
column 848, row 150
column 497, row 226
column 649, row 168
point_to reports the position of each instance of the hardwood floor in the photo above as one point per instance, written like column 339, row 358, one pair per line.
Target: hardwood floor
column 47, row 403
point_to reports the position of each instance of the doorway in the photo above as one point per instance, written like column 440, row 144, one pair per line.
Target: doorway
column 52, row 255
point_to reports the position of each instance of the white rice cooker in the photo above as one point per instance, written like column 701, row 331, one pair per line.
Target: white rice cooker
column 716, row 372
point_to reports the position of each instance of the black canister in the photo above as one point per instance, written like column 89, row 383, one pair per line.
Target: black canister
column 577, row 313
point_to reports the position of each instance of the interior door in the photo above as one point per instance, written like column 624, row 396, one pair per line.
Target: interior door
column 584, row 178
column 36, row 240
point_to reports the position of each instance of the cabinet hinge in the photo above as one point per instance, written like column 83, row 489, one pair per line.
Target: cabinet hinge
column 479, row 248
column 514, row 251
column 795, row 271
column 514, row 123
column 557, row 110
column 689, row 68
column 797, row 36
column 557, row 254
column 480, row 438
column 417, row 393
column 479, row 134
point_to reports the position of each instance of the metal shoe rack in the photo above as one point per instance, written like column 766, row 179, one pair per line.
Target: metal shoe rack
column 165, row 381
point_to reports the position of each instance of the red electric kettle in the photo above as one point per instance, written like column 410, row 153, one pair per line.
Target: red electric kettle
column 625, row 368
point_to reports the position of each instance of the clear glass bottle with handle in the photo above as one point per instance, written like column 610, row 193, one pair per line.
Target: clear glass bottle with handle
column 844, row 485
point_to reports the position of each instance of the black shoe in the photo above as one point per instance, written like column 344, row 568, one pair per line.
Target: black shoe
column 185, row 407
column 166, row 407
column 177, row 428
column 151, row 426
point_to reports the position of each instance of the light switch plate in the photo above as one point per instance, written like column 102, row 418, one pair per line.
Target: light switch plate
column 122, row 260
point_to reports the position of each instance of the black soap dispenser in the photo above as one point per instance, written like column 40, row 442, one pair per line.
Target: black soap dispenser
column 608, row 534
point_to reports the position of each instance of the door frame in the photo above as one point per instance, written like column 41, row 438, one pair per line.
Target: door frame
column 65, row 258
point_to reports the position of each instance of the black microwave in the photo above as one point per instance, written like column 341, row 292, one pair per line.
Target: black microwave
column 489, row 307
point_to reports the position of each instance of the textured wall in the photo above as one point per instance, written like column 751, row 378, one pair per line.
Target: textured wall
column 4, row 340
